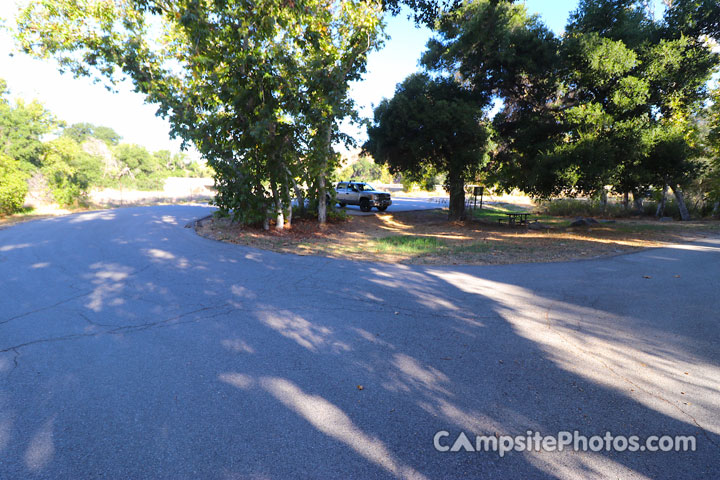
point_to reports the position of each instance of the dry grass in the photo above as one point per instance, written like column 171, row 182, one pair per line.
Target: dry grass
column 426, row 237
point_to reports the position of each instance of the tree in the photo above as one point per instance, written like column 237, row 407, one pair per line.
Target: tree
column 13, row 185
column 433, row 123
column 499, row 50
column 137, row 159
column 424, row 11
column 713, row 140
column 70, row 171
column 257, row 86
column 608, row 104
column 22, row 126
column 694, row 18
column 82, row 131
column 107, row 135
column 645, row 80
column 364, row 169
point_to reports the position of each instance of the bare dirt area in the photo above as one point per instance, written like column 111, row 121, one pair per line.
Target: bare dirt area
column 427, row 237
column 6, row 222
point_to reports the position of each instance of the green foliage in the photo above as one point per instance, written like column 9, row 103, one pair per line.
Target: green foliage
column 712, row 178
column 499, row 50
column 338, row 216
column 694, row 18
column 424, row 11
column 573, row 207
column 431, row 125
column 496, row 47
column 82, row 131
column 426, row 178
column 70, row 171
column 365, row 170
column 619, row 113
column 137, row 159
column 408, row 183
column 259, row 87
column 13, row 186
column 21, row 127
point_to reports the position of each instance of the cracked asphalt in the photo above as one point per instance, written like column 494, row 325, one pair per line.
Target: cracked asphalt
column 132, row 348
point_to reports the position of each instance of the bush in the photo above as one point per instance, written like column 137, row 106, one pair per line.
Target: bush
column 337, row 216
column 13, row 186
column 69, row 171
column 408, row 184
column 576, row 207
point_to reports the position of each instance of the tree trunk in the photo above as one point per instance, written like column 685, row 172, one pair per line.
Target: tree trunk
column 660, row 212
column 626, row 200
column 322, row 201
column 637, row 202
column 716, row 209
column 298, row 193
column 456, row 185
column 684, row 214
column 279, row 217
column 289, row 209
column 300, row 199
column 603, row 199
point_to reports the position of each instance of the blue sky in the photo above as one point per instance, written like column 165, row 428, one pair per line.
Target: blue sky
column 79, row 100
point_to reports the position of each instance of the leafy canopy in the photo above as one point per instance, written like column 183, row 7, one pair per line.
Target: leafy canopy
column 435, row 124
column 258, row 86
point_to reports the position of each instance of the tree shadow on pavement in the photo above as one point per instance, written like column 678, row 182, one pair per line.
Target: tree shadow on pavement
column 155, row 353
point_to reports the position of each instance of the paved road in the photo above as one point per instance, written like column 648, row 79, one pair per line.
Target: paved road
column 401, row 204
column 132, row 348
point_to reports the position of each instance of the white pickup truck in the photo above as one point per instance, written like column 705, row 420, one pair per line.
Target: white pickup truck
column 362, row 194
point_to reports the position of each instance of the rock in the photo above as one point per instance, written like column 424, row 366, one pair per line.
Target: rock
column 580, row 222
column 666, row 219
column 591, row 221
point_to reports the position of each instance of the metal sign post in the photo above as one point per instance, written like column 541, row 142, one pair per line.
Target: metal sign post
column 478, row 191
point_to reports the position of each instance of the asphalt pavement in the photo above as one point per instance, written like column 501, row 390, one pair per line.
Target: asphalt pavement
column 402, row 204
column 132, row 348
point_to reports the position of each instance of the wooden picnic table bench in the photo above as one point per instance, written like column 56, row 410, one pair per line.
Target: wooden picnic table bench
column 515, row 218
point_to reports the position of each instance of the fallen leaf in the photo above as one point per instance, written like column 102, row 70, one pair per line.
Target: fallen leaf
column 360, row 387
column 647, row 276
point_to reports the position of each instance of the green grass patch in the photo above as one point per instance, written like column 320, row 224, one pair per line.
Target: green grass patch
column 493, row 212
column 410, row 245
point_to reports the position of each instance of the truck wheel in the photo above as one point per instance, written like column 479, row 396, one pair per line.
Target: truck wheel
column 365, row 205
column 382, row 209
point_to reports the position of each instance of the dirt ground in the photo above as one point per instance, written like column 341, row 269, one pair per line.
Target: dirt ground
column 427, row 237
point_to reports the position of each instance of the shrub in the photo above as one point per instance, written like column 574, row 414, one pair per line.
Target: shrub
column 576, row 207
column 13, row 186
column 337, row 216
column 408, row 184
column 69, row 170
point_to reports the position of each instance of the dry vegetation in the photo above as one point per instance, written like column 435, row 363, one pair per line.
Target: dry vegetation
column 426, row 237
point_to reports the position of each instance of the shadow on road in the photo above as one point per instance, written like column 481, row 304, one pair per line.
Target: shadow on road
column 133, row 348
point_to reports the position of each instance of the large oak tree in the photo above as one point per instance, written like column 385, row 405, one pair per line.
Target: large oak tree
column 434, row 123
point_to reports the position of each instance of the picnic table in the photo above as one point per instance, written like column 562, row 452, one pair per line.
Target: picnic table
column 515, row 218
